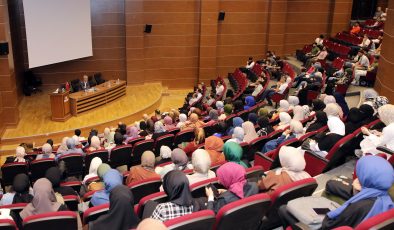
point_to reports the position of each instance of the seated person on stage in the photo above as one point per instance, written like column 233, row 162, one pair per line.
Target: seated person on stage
column 279, row 88
column 85, row 83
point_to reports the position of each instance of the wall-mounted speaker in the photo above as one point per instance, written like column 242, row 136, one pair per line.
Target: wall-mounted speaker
column 221, row 15
column 148, row 28
column 4, row 48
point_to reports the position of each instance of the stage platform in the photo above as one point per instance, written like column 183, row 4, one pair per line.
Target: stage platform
column 36, row 126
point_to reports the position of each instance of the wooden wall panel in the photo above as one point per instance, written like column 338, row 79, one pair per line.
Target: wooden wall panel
column 385, row 81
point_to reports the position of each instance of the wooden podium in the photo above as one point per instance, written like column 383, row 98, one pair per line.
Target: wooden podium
column 60, row 106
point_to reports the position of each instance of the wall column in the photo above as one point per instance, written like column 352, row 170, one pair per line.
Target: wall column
column 277, row 14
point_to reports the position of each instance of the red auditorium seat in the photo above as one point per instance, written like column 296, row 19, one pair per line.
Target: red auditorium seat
column 183, row 136
column 10, row 170
column 74, row 164
column 7, row 224
column 245, row 213
column 173, row 131
column 159, row 197
column 72, row 202
column 139, row 148
column 135, row 140
column 89, row 195
column 120, row 155
column 166, row 140
column 195, row 221
column 210, row 129
column 63, row 220
column 284, row 194
column 316, row 164
column 102, row 154
column 16, row 208
column 254, row 172
column 198, row 189
column 76, row 185
column 216, row 165
column 279, row 96
column 144, row 188
column 39, row 167
column 93, row 213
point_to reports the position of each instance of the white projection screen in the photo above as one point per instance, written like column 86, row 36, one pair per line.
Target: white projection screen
column 57, row 30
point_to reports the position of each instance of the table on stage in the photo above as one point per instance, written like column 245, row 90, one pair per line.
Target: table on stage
column 81, row 101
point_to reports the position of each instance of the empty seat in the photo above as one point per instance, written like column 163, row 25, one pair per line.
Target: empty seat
column 71, row 202
column 195, row 221
column 10, row 170
column 93, row 213
column 139, row 148
column 144, row 188
column 39, row 167
column 76, row 185
column 120, row 155
column 63, row 220
column 135, row 140
column 184, row 136
column 73, row 163
column 7, row 224
column 245, row 213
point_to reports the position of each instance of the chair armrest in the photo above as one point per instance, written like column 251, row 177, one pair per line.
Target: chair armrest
column 385, row 150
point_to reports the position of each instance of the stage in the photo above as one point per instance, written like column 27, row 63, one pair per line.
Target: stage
column 36, row 126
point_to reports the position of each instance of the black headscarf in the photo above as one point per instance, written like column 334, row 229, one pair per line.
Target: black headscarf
column 238, row 106
column 118, row 138
column 264, row 123
column 367, row 112
column 321, row 120
column 21, row 185
column 318, row 105
column 55, row 176
column 121, row 211
column 354, row 120
column 142, row 125
column 176, row 186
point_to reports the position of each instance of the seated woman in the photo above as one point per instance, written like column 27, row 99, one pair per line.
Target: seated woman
column 199, row 138
column 293, row 101
column 284, row 106
column 249, row 102
column 165, row 155
column 299, row 113
column 250, row 132
column 353, row 120
column 233, row 177
column 46, row 152
column 159, row 130
column 179, row 162
column 176, row 186
column 214, row 146
column 121, row 211
column 238, row 106
column 227, row 111
column 88, row 185
column 252, row 117
column 284, row 121
column 237, row 122
column 201, row 163
column 295, row 131
column 265, row 127
column 112, row 178
column 131, row 133
column 20, row 154
column 376, row 176
column 317, row 105
column 182, row 120
column 55, row 176
column 63, row 146
column 95, row 144
column 168, row 123
column 19, row 192
column 238, row 135
column 44, row 200
column 319, row 122
column 293, row 165
column 233, row 153
column 145, row 170
column 213, row 117
column 221, row 129
column 193, row 122
column 368, row 114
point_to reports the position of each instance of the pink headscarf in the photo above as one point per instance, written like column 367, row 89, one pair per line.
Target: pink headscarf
column 232, row 176
column 132, row 131
column 168, row 123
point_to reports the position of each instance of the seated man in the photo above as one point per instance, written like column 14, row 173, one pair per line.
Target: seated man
column 219, row 88
column 85, row 83
column 279, row 88
column 355, row 29
column 249, row 63
column 362, row 73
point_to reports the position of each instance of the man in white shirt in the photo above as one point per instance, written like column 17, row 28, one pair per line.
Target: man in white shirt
column 319, row 40
column 219, row 88
column 257, row 89
column 279, row 88
column 249, row 63
column 366, row 41
column 363, row 62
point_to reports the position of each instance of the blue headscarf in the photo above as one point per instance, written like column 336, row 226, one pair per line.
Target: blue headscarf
column 249, row 102
column 252, row 117
column 112, row 178
column 237, row 122
column 342, row 102
column 376, row 176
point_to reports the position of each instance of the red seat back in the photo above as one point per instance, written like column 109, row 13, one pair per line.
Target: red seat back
column 197, row 220
column 63, row 220
column 139, row 148
column 93, row 213
column 384, row 220
column 144, row 188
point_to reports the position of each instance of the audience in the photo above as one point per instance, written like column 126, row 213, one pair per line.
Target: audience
column 233, row 153
column 55, row 176
column 201, row 162
column 250, row 132
column 143, row 171
column 46, row 152
column 214, row 146
column 165, row 155
column 112, row 178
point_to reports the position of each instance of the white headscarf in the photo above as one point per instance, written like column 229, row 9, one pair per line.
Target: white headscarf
column 95, row 142
column 219, row 105
column 159, row 127
column 94, row 164
column 238, row 135
column 298, row 113
column 250, row 132
column 297, row 128
column 165, row 152
column 332, row 110
column 201, row 161
column 283, row 106
column 293, row 163
column 386, row 114
column 370, row 94
column 284, row 118
column 182, row 120
column 293, row 101
column 328, row 99
column 20, row 154
column 47, row 148
column 335, row 125
column 63, row 147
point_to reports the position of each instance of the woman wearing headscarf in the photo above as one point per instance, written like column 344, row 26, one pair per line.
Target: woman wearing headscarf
column 44, row 200
column 201, row 163
column 237, row 122
column 369, row 96
column 131, row 132
column 238, row 106
column 182, row 120
column 367, row 112
column 284, row 121
column 63, row 146
column 214, row 146
column 265, row 127
column 328, row 99
column 318, row 105
column 238, row 135
column 94, row 164
column 250, row 132
column 168, row 123
column 233, row 153
column 143, row 171
column 319, row 122
column 165, row 155
column 340, row 100
column 19, row 192
column 121, row 212
column 376, row 176
column 293, row 165
column 20, row 154
column 193, row 122
column 233, row 177
column 263, row 112
column 252, row 117
column 143, row 129
column 284, row 106
column 295, row 131
column 219, row 107
column 353, row 120
column 159, row 130
column 213, row 117
column 299, row 113
column 293, row 101
column 179, row 162
column 94, row 144
column 176, row 186
column 221, row 129
column 46, row 152
column 249, row 102
column 112, row 178
column 199, row 138
column 227, row 111
column 55, row 176
column 108, row 137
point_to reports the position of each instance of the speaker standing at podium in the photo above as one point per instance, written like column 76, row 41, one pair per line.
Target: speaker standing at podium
column 85, row 83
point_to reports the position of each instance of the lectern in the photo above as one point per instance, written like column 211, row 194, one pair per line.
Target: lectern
column 60, row 106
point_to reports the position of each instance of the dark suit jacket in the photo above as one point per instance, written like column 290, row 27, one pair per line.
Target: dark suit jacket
column 82, row 85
